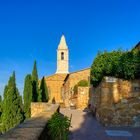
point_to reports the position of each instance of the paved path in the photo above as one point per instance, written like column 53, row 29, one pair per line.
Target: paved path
column 86, row 127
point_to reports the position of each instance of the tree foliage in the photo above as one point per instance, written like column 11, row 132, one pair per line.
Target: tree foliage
column 59, row 127
column 43, row 95
column 27, row 96
column 12, row 105
column 0, row 108
column 35, row 89
column 125, row 65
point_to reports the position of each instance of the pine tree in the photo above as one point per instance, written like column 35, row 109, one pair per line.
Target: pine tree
column 35, row 83
column 44, row 91
column 27, row 95
column 12, row 106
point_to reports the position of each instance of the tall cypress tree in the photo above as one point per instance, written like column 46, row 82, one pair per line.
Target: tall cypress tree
column 44, row 91
column 12, row 106
column 0, row 107
column 35, row 83
column 27, row 95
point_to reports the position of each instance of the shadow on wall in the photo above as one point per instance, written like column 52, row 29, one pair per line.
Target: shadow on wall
column 86, row 127
column 117, row 102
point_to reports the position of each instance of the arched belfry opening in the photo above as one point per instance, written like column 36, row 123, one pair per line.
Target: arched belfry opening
column 62, row 55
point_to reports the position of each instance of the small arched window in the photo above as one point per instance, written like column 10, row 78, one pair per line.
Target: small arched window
column 62, row 55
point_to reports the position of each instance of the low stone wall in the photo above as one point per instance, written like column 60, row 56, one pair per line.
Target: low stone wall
column 39, row 107
column 83, row 97
column 117, row 103
column 34, row 128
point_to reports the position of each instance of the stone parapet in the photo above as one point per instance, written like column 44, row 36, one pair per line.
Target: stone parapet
column 34, row 128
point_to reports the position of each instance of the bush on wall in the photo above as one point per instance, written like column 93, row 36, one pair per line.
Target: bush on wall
column 120, row 64
column 82, row 83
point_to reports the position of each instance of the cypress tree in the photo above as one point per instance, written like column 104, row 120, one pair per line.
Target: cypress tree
column 12, row 106
column 0, row 107
column 34, row 83
column 39, row 96
column 27, row 95
column 44, row 91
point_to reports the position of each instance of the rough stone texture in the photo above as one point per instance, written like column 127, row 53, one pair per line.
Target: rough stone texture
column 39, row 107
column 71, row 80
column 86, row 127
column 55, row 84
column 82, row 97
column 34, row 128
column 61, row 86
column 117, row 103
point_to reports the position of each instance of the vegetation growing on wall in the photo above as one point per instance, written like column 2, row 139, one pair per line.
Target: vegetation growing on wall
column 82, row 83
column 120, row 64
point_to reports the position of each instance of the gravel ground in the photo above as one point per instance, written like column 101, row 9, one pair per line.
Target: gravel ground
column 85, row 127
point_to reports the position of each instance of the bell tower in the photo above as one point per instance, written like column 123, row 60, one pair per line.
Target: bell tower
column 62, row 57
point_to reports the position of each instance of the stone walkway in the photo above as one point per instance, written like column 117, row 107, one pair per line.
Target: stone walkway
column 86, row 127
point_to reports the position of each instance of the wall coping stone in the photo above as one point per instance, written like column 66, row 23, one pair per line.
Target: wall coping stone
column 33, row 128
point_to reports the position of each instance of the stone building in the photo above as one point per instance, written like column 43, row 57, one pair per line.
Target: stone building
column 60, row 85
column 70, row 81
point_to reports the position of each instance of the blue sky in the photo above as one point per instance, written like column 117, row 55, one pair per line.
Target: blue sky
column 31, row 29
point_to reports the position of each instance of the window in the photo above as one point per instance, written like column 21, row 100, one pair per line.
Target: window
column 62, row 55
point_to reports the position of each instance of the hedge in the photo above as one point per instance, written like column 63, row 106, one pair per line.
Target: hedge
column 120, row 64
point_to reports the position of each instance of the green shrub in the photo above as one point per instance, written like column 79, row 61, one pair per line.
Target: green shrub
column 125, row 65
column 59, row 127
column 82, row 83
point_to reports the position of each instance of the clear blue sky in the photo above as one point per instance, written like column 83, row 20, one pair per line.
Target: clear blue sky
column 31, row 29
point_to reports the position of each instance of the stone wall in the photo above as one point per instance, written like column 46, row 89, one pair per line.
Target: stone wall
column 55, row 84
column 38, row 107
column 83, row 97
column 81, row 100
column 34, row 128
column 117, row 103
column 71, row 80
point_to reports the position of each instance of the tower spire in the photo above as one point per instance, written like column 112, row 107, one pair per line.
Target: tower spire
column 62, row 56
column 62, row 44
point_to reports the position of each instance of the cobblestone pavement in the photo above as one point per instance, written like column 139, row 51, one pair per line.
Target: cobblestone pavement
column 86, row 127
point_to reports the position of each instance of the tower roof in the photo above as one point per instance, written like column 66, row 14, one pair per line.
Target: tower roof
column 62, row 44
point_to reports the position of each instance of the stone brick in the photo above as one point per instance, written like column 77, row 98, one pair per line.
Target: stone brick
column 117, row 103
column 71, row 80
column 83, row 97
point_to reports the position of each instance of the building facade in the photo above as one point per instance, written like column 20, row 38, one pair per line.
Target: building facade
column 61, row 84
